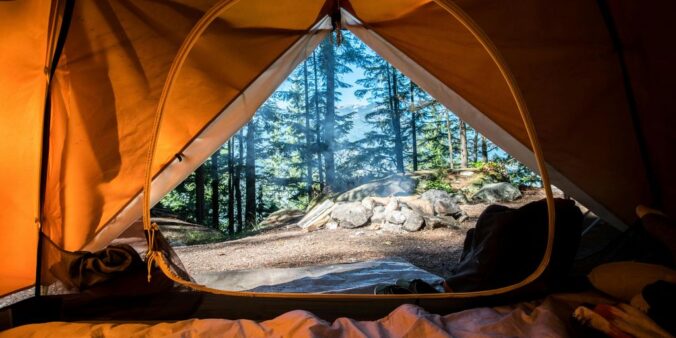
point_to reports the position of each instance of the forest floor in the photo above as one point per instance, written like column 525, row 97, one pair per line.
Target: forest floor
column 436, row 251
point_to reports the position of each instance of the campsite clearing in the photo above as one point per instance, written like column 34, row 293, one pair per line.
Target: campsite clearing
column 436, row 251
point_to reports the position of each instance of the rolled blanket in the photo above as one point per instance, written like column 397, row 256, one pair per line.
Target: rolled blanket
column 84, row 270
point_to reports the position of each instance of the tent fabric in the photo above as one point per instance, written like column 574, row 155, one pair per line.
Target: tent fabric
column 25, row 30
column 216, row 133
column 118, row 53
column 547, row 318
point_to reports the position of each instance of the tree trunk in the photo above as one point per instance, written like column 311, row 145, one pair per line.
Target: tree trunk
column 237, row 181
column 250, row 217
column 484, row 149
column 463, row 145
column 215, row 181
column 475, row 146
column 307, row 155
column 414, row 132
column 318, row 124
column 330, row 117
column 199, row 195
column 260, row 204
column 449, row 134
column 396, row 124
column 231, row 190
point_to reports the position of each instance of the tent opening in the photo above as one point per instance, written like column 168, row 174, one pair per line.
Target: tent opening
column 350, row 175
column 338, row 172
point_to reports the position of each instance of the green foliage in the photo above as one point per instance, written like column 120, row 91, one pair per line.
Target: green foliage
column 519, row 175
column 496, row 171
column 439, row 184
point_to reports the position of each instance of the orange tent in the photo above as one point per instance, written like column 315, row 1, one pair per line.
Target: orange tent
column 80, row 84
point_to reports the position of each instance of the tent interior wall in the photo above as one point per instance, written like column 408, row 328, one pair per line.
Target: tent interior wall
column 600, row 93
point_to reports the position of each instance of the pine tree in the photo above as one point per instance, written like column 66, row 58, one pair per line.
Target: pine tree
column 330, row 113
column 215, row 217
column 199, row 195
column 450, row 140
column 463, row 145
column 231, row 190
column 414, row 129
column 484, row 149
column 382, row 153
column 307, row 153
column 475, row 146
column 318, row 123
column 237, row 181
column 250, row 175
column 396, row 119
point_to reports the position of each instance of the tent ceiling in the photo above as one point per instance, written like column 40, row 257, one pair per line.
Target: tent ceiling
column 118, row 53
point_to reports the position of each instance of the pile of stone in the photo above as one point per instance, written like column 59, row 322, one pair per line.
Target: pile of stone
column 433, row 209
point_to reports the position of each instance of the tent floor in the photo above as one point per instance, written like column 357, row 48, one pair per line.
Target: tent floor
column 178, row 305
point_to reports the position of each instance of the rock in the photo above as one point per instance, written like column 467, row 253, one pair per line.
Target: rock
column 435, row 222
column 369, row 203
column 351, row 215
column 478, row 181
column 414, row 221
column 396, row 217
column 420, row 205
column 332, row 225
column 443, row 207
column 459, row 198
column 442, row 202
column 390, row 227
column 435, row 194
column 392, row 205
column 497, row 192
column 395, row 185
column 379, row 215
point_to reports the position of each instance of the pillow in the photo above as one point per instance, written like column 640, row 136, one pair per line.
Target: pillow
column 624, row 280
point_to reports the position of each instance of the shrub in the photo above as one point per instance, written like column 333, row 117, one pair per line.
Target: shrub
column 439, row 183
column 495, row 170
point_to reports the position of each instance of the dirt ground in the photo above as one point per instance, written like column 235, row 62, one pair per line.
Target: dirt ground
column 436, row 251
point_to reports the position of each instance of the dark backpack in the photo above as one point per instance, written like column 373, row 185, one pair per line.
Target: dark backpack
column 507, row 245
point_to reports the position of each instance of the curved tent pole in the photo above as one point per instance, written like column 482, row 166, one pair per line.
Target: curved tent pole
column 492, row 51
column 176, row 65
column 155, row 256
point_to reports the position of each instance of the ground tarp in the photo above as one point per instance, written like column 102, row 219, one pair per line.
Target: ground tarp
column 361, row 277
